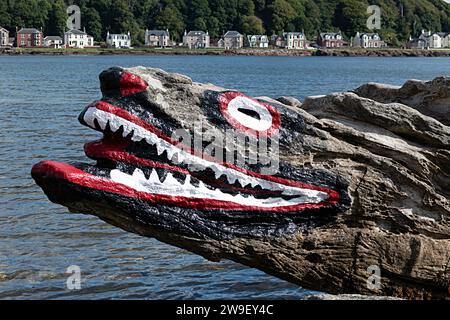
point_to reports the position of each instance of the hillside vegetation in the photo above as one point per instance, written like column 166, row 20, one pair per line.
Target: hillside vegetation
column 400, row 18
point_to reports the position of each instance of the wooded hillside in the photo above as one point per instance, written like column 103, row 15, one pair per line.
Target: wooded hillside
column 400, row 18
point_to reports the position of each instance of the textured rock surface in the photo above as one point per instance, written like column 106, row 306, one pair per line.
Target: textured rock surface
column 394, row 159
column 290, row 101
column 431, row 98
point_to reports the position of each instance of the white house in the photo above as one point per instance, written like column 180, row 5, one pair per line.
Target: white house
column 55, row 42
column 157, row 38
column 416, row 43
column 231, row 40
column 4, row 37
column 258, row 41
column 368, row 40
column 295, row 40
column 434, row 40
column 330, row 39
column 196, row 39
column 78, row 39
column 118, row 40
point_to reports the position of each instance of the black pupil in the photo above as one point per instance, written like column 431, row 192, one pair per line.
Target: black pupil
column 250, row 113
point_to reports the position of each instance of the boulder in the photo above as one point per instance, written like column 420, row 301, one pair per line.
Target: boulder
column 358, row 203
column 432, row 98
column 290, row 101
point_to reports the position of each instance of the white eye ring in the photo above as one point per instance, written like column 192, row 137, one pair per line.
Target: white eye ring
column 249, row 115
column 265, row 118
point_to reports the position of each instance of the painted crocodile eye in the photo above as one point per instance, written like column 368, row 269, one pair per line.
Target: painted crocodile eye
column 249, row 115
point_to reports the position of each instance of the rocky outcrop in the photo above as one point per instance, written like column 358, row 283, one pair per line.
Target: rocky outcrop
column 431, row 98
column 367, row 176
column 290, row 101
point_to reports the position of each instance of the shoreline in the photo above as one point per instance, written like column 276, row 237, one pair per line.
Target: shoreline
column 348, row 52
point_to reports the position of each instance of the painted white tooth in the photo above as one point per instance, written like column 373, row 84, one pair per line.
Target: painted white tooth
column 159, row 149
column 185, row 157
column 176, row 157
column 243, row 182
column 217, row 173
column 120, row 177
column 180, row 157
column 102, row 122
column 170, row 180
column 246, row 184
column 138, row 174
column 267, row 186
column 170, row 153
column 254, row 183
column 150, row 138
column 114, row 125
column 187, row 180
column 136, row 137
column 239, row 198
column 89, row 117
column 291, row 191
column 202, row 186
column 196, row 166
column 126, row 130
column 231, row 179
column 137, row 134
column 154, row 179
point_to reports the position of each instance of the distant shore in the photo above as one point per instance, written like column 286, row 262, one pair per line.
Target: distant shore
column 344, row 52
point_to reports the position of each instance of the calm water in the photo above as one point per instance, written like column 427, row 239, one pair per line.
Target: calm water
column 40, row 99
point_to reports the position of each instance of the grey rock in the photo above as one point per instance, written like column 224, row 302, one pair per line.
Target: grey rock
column 431, row 98
column 392, row 149
column 290, row 101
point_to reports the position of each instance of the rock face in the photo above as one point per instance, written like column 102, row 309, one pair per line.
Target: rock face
column 431, row 98
column 358, row 203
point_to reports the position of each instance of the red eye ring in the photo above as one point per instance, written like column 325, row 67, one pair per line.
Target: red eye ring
column 227, row 99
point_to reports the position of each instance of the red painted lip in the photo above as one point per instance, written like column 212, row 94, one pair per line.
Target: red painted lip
column 71, row 174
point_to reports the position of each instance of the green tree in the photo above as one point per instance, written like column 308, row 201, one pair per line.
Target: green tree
column 351, row 16
column 93, row 23
column 5, row 18
column 214, row 27
column 120, row 16
column 400, row 18
column 199, row 24
column 246, row 7
column 252, row 25
column 170, row 18
column 198, row 14
column 281, row 14
column 150, row 10
column 57, row 19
